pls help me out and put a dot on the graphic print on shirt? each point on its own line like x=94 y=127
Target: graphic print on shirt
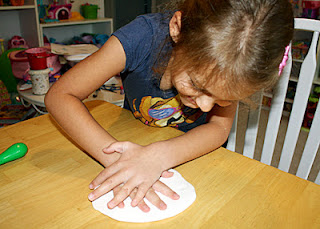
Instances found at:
x=159 y=112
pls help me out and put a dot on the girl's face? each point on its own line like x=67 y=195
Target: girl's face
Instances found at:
x=195 y=96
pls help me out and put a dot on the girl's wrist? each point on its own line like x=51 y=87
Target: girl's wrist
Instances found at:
x=110 y=159
x=107 y=159
x=163 y=154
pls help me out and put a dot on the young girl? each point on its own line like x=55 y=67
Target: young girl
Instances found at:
x=185 y=69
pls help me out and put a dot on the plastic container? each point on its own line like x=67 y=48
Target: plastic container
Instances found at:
x=89 y=11
x=38 y=58
x=19 y=63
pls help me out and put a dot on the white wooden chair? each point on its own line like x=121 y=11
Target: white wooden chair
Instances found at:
x=307 y=72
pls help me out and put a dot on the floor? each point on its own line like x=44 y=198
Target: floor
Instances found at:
x=243 y=112
x=14 y=111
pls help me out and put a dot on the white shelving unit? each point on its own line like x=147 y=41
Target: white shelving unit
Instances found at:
x=63 y=31
x=24 y=21
x=20 y=20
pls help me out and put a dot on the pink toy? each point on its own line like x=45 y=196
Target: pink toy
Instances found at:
x=17 y=42
x=311 y=4
x=60 y=12
x=19 y=63
x=310 y=8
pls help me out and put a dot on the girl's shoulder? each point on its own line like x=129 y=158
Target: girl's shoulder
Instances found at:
x=142 y=37
x=152 y=23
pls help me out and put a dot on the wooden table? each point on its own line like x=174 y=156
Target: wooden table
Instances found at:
x=48 y=188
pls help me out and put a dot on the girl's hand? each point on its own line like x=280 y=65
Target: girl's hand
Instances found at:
x=138 y=168
x=152 y=195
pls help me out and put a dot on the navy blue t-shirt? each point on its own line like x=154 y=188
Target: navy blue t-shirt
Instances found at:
x=146 y=40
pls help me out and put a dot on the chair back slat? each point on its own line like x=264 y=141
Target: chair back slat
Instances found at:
x=275 y=114
x=308 y=70
x=317 y=181
x=252 y=129
x=306 y=24
x=231 y=145
x=304 y=85
x=311 y=147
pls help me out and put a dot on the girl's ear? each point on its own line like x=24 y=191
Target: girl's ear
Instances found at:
x=175 y=26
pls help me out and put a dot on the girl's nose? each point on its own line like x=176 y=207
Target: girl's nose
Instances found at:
x=205 y=102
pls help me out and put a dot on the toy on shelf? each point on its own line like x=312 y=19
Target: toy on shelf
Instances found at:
x=311 y=4
x=300 y=49
x=89 y=11
x=297 y=9
x=291 y=91
x=42 y=10
x=55 y=11
x=5 y=3
x=11 y=2
x=88 y=38
x=17 y=2
x=310 y=8
x=59 y=11
x=76 y=16
x=311 y=108
x=17 y=42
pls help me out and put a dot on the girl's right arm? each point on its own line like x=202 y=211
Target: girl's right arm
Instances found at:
x=63 y=100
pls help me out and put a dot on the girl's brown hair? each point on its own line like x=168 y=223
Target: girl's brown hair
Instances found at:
x=240 y=41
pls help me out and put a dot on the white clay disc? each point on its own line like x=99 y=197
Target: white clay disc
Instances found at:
x=133 y=214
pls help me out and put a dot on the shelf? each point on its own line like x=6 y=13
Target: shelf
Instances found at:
x=17 y=7
x=297 y=60
x=284 y=112
x=24 y=21
x=269 y=95
x=20 y=20
x=64 y=23
x=316 y=81
x=60 y=32
x=296 y=79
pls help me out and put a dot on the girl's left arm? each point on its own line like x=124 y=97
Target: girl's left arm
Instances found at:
x=141 y=166
x=202 y=139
